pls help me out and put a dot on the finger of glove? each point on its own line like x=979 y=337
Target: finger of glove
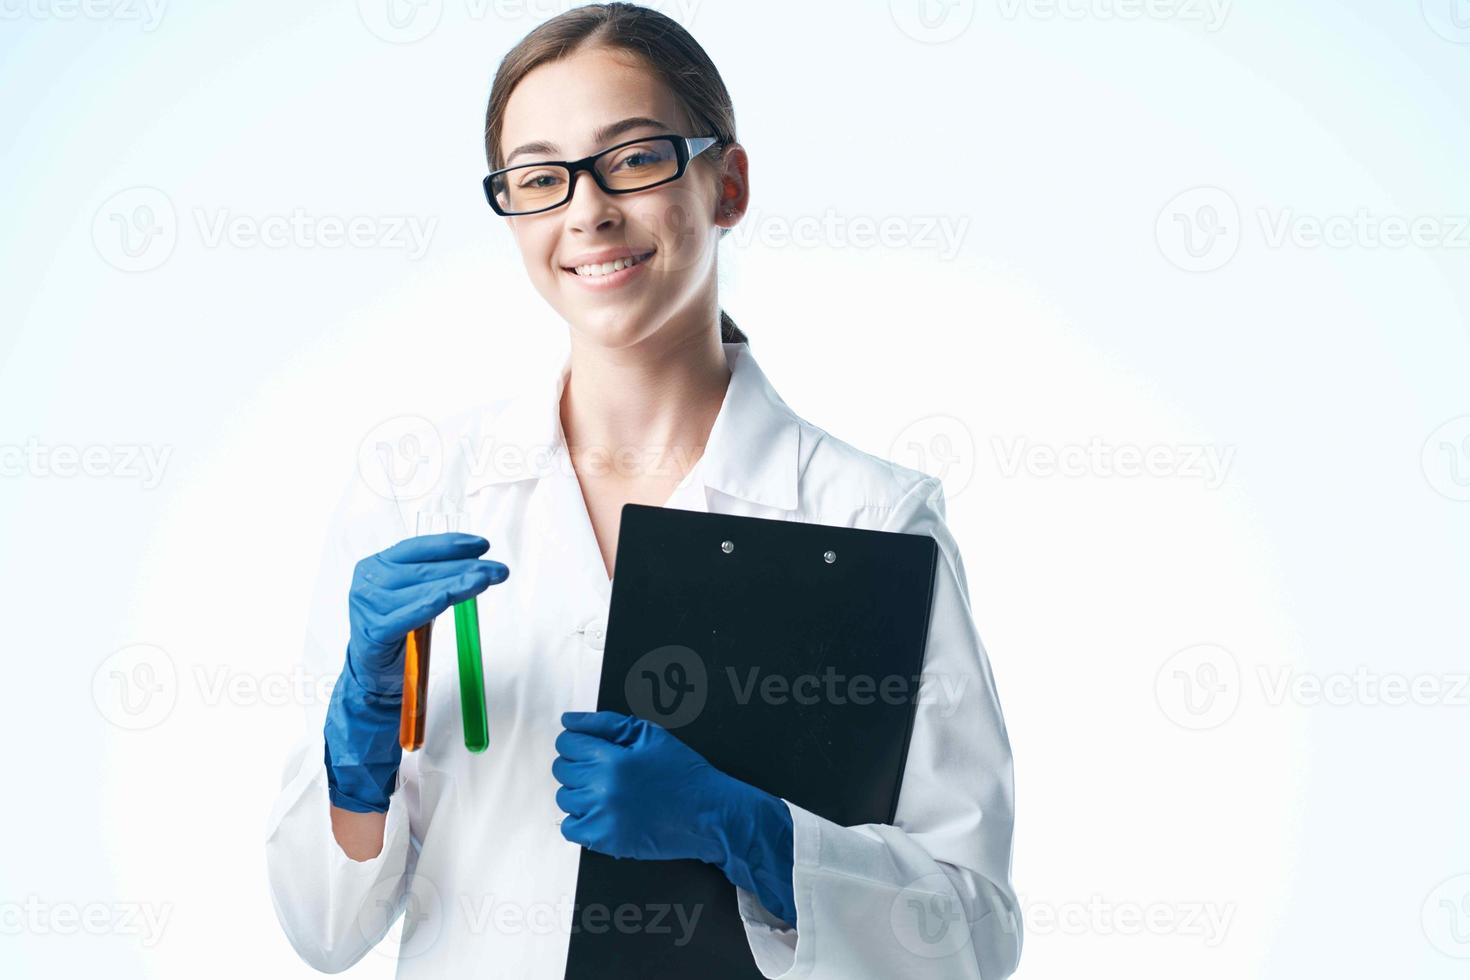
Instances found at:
x=574 y=773
x=580 y=747
x=576 y=802
x=383 y=589
x=435 y=547
x=613 y=726
x=574 y=829
x=420 y=603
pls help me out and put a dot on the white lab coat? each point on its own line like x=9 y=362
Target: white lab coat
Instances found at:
x=473 y=856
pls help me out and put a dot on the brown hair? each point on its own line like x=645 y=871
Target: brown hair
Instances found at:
x=662 y=44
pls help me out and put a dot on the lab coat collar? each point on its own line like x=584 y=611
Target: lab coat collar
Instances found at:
x=752 y=451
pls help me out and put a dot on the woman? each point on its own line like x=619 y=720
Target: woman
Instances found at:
x=481 y=851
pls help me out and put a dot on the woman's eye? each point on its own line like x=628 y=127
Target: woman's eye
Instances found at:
x=637 y=159
x=538 y=181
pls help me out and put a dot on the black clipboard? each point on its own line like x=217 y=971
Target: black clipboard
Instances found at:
x=706 y=610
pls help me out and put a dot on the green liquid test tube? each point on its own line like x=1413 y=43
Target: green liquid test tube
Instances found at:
x=471 y=675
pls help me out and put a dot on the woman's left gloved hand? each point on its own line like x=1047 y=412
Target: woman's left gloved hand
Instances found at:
x=631 y=789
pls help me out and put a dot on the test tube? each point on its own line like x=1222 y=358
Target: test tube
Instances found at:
x=415 y=687
x=471 y=675
x=412 y=716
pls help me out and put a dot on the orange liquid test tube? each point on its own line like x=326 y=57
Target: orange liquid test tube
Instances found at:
x=415 y=687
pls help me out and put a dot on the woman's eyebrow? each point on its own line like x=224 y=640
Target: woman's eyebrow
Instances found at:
x=603 y=135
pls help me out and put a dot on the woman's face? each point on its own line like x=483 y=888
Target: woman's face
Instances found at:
x=564 y=103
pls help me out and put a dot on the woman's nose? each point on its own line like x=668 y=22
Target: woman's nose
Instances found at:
x=590 y=206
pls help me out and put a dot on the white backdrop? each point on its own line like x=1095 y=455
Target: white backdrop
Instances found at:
x=1172 y=293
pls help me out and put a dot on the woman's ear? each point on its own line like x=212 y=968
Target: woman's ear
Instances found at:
x=734 y=196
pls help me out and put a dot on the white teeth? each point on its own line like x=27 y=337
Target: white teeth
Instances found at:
x=603 y=268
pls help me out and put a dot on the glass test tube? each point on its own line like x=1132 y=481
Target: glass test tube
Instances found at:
x=417 y=644
x=415 y=687
x=471 y=675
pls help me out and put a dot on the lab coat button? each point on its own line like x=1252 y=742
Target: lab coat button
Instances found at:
x=594 y=633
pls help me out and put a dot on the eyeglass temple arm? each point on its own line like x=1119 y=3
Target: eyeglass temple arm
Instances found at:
x=698 y=144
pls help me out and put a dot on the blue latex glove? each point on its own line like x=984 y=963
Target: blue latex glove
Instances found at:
x=631 y=789
x=392 y=593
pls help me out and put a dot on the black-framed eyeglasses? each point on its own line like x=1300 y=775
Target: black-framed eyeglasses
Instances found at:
x=622 y=169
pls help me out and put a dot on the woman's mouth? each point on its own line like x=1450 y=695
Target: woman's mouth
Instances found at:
x=606 y=275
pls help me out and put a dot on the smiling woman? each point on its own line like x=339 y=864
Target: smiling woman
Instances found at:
x=607 y=74
x=612 y=155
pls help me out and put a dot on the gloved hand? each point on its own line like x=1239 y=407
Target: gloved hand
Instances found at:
x=392 y=593
x=633 y=790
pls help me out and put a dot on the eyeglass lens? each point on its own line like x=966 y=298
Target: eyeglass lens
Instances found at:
x=628 y=168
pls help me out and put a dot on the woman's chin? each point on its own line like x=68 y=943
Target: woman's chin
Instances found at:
x=611 y=327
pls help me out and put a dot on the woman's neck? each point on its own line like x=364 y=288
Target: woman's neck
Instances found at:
x=645 y=411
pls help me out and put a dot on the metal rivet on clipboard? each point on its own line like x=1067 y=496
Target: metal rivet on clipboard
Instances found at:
x=727 y=546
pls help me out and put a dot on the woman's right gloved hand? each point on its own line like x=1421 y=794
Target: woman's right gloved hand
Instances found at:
x=393 y=592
